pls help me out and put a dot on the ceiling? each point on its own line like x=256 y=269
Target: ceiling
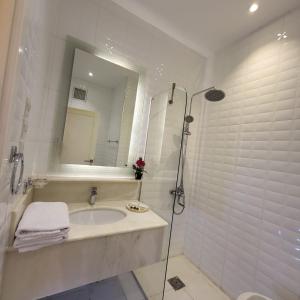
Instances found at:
x=207 y=25
x=104 y=72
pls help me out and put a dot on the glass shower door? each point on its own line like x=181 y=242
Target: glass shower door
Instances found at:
x=163 y=152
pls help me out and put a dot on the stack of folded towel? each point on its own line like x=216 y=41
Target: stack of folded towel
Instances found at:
x=42 y=224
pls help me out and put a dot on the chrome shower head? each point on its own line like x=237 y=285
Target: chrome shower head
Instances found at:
x=214 y=95
x=211 y=94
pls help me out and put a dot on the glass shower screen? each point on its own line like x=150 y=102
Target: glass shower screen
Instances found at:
x=162 y=158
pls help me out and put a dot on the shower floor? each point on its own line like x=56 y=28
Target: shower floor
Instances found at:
x=197 y=285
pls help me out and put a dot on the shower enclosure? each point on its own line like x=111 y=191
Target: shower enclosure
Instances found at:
x=164 y=151
x=163 y=187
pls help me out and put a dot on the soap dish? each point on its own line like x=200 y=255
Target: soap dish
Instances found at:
x=137 y=207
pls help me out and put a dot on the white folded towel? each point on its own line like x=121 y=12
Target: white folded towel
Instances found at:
x=42 y=235
x=44 y=216
x=39 y=246
x=42 y=224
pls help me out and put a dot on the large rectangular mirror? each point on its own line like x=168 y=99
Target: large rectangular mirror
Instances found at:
x=100 y=112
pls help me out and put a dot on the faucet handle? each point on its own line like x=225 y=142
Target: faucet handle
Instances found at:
x=94 y=189
x=28 y=183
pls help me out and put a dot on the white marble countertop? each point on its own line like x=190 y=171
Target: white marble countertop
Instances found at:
x=132 y=222
x=90 y=178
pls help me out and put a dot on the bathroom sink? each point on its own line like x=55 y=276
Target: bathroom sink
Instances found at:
x=98 y=216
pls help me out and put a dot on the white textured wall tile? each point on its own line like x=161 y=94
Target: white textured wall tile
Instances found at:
x=248 y=176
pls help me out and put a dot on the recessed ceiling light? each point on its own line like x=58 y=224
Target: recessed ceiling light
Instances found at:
x=91 y=74
x=281 y=36
x=253 y=8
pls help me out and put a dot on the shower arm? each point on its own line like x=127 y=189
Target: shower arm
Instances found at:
x=173 y=88
x=198 y=93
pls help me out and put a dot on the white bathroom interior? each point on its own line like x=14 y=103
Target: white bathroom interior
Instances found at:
x=206 y=94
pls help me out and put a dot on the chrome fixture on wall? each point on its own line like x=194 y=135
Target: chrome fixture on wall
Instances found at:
x=28 y=183
x=171 y=100
x=113 y=141
x=93 y=195
x=17 y=159
x=211 y=94
x=188 y=119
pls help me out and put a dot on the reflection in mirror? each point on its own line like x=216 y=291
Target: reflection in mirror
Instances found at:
x=100 y=112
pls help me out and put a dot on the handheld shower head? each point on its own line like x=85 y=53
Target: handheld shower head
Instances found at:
x=189 y=119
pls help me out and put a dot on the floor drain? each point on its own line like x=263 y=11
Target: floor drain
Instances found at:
x=176 y=283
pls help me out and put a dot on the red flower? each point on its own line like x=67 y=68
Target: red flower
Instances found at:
x=140 y=163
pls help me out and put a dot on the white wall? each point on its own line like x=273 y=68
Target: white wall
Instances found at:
x=28 y=46
x=244 y=217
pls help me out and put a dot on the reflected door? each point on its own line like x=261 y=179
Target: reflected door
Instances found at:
x=80 y=136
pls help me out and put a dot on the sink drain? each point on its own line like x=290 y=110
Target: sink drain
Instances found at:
x=176 y=283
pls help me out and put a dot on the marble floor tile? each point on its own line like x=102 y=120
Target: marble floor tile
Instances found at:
x=173 y=295
x=151 y=279
x=201 y=291
x=197 y=285
x=180 y=266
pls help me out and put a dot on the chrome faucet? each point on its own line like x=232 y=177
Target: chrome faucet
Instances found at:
x=28 y=183
x=93 y=195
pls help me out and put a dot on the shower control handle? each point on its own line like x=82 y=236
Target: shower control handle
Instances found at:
x=179 y=191
x=179 y=195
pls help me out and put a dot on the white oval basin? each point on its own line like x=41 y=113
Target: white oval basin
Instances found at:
x=97 y=216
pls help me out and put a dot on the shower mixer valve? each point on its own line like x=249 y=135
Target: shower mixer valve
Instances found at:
x=178 y=192
x=211 y=94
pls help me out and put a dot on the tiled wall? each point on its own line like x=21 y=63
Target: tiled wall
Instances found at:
x=21 y=127
x=244 y=219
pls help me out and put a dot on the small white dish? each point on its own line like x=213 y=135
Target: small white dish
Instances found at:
x=137 y=206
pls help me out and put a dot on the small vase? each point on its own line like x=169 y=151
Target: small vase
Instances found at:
x=138 y=176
